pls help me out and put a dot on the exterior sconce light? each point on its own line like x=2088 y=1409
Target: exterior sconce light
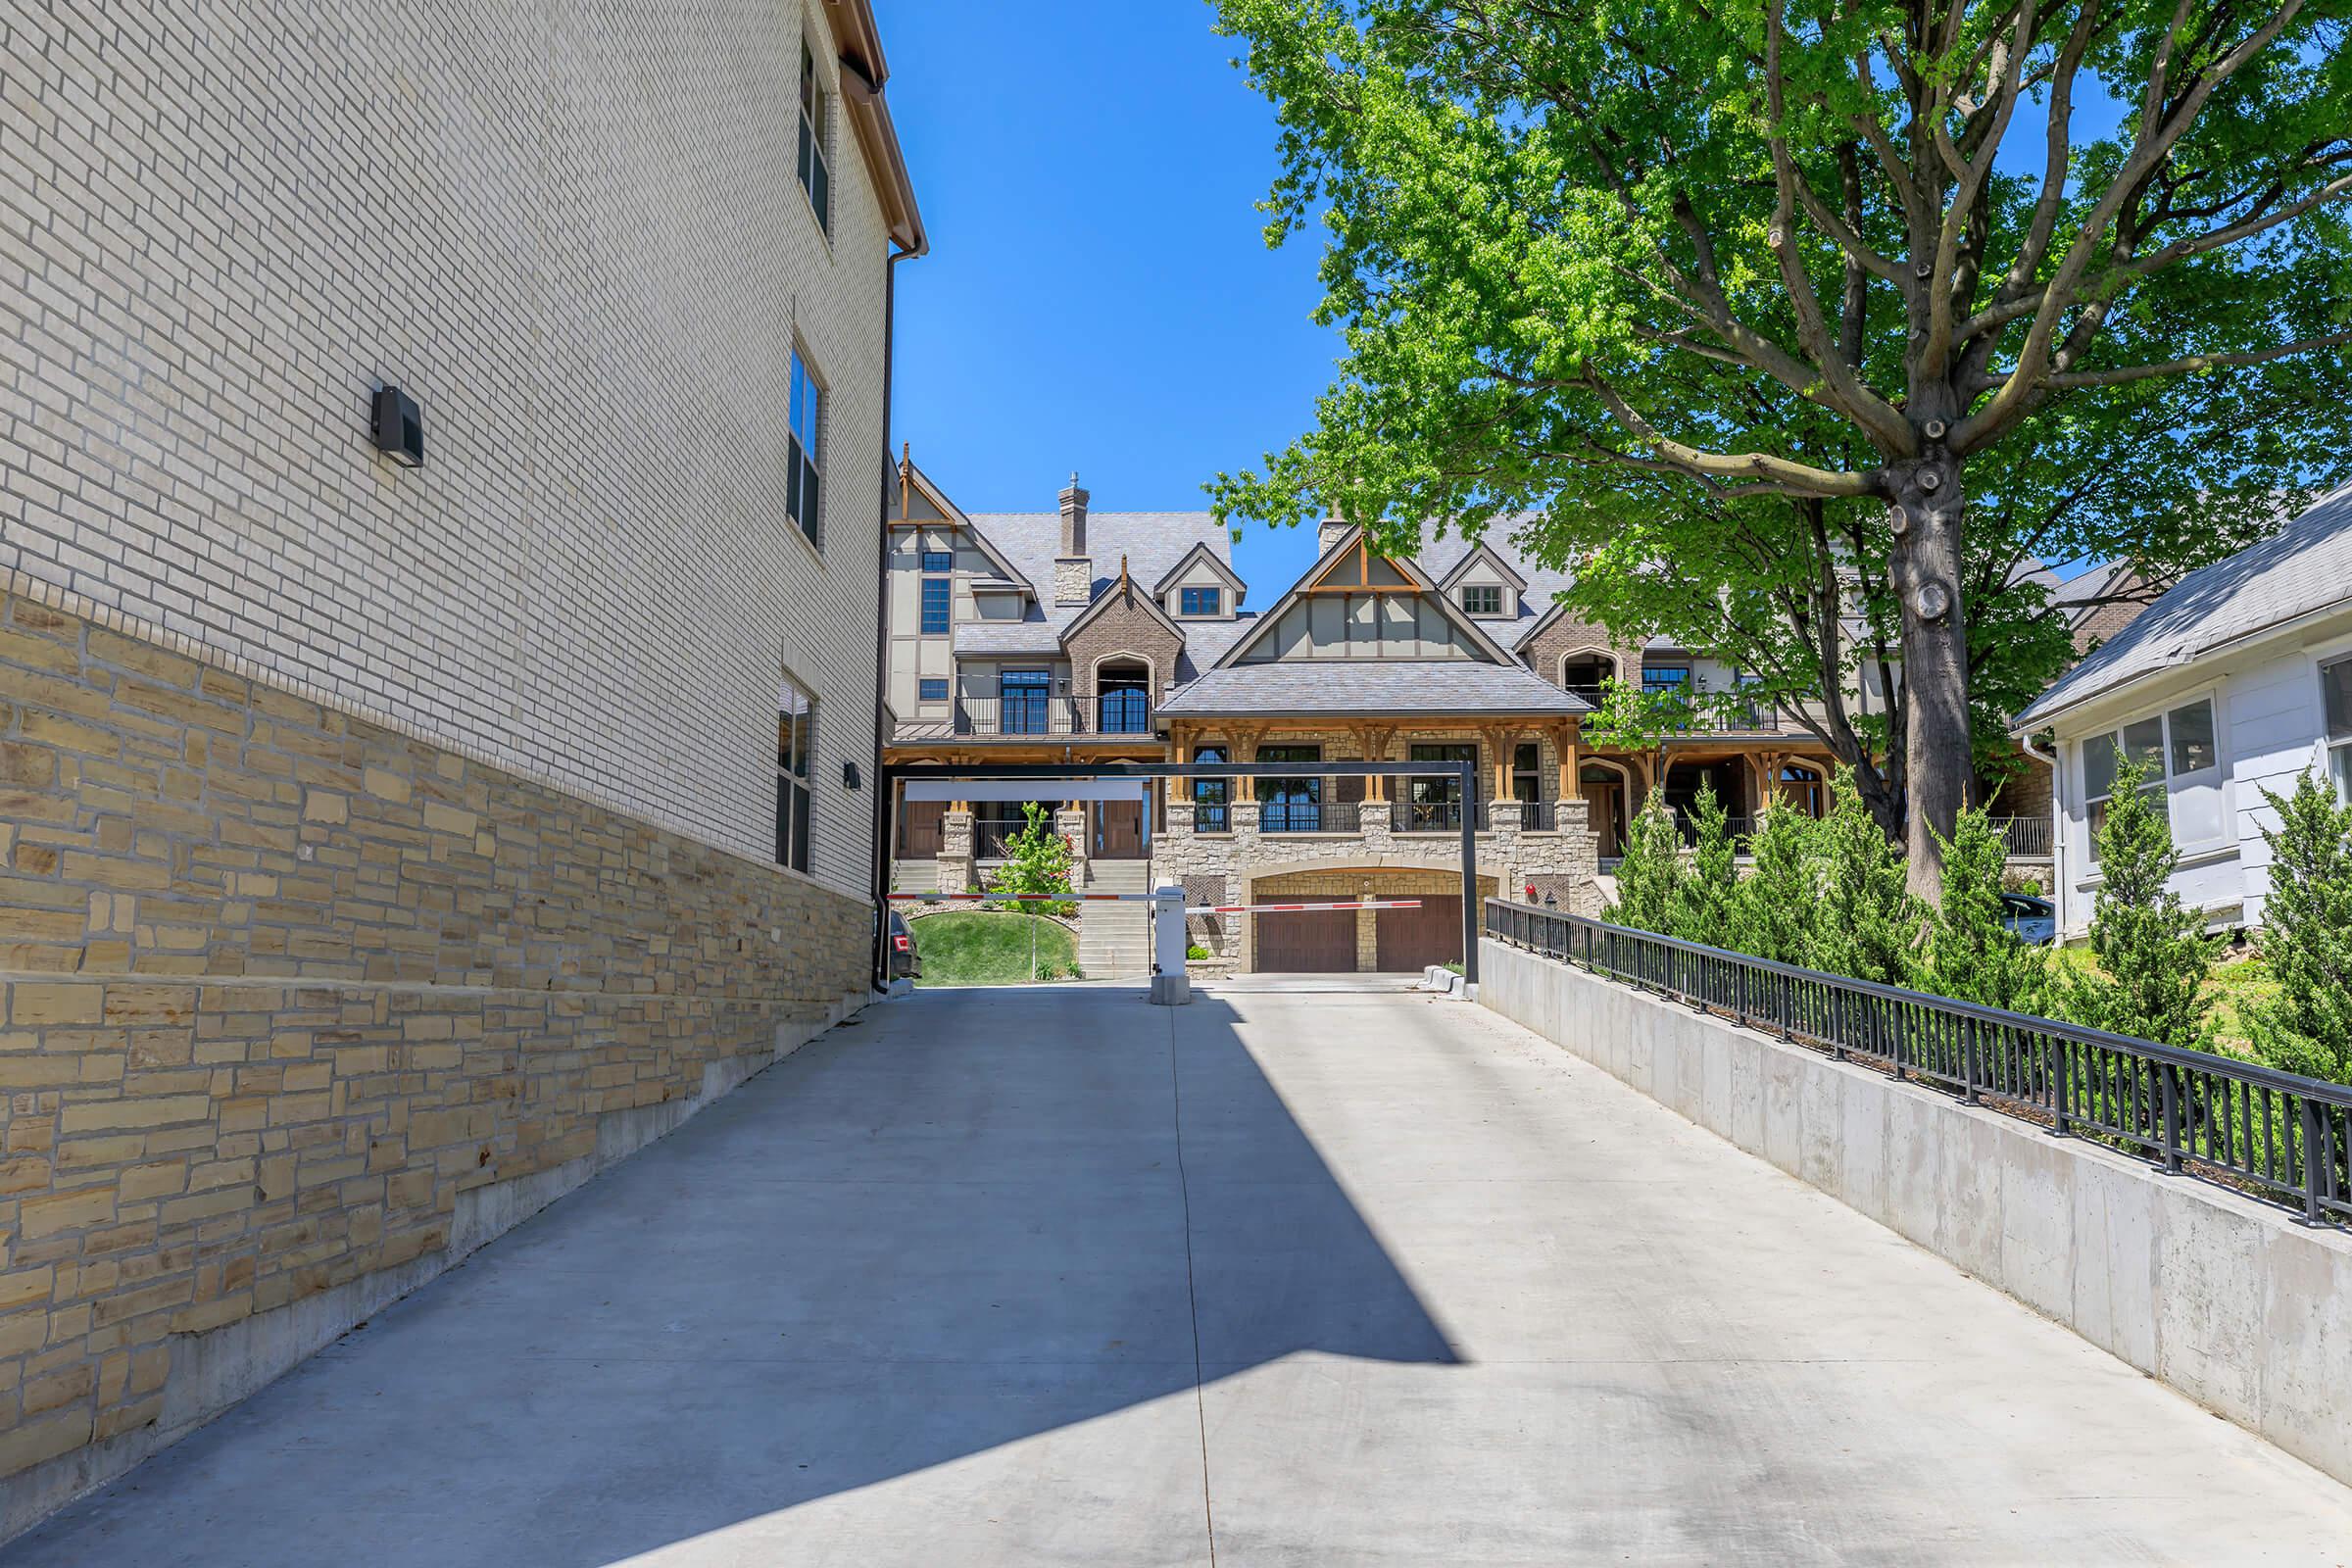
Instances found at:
x=850 y=778
x=398 y=427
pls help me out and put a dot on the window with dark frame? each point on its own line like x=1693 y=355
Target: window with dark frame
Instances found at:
x=1434 y=802
x=816 y=175
x=1025 y=697
x=2335 y=689
x=939 y=561
x=937 y=594
x=1288 y=805
x=796 y=763
x=1210 y=795
x=1199 y=600
x=1526 y=773
x=1485 y=600
x=931 y=690
x=803 y=486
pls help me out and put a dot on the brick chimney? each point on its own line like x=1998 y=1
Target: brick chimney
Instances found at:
x=1073 y=569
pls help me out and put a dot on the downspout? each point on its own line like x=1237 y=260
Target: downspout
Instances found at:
x=2058 y=883
x=884 y=786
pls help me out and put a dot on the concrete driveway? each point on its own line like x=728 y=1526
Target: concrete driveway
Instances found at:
x=1309 y=1276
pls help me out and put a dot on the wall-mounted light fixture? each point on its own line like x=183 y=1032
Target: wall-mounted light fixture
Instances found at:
x=850 y=778
x=398 y=427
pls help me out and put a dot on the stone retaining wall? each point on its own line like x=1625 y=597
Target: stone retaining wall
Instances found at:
x=299 y=1009
x=2229 y=1300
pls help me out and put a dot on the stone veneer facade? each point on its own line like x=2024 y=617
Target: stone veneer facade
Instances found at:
x=1236 y=866
x=299 y=1009
x=383 y=848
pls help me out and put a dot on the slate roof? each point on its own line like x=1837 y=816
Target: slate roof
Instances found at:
x=2304 y=569
x=1370 y=688
x=1439 y=558
x=1152 y=542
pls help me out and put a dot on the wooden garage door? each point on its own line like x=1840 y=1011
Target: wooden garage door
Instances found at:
x=1415 y=939
x=1306 y=942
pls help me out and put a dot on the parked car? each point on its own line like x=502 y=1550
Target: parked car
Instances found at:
x=904 y=962
x=2034 y=918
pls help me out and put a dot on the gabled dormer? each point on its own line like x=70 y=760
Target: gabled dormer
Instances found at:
x=1485 y=586
x=1356 y=604
x=1200 y=587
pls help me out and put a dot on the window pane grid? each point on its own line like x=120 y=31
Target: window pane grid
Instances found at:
x=796 y=760
x=935 y=606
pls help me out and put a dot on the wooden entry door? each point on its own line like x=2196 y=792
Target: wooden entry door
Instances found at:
x=1119 y=830
x=1302 y=942
x=1415 y=939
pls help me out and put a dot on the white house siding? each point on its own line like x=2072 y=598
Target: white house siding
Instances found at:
x=2267 y=722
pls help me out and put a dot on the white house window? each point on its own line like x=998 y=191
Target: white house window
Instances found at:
x=796 y=753
x=2335 y=701
x=1199 y=601
x=1484 y=599
x=815 y=178
x=2179 y=758
x=803 y=486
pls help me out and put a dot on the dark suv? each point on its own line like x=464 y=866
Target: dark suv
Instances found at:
x=904 y=962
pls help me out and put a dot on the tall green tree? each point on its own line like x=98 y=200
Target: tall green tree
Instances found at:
x=1693 y=275
x=2153 y=954
x=1778 y=902
x=2307 y=936
x=1649 y=876
x=1870 y=924
x=1972 y=953
x=1706 y=900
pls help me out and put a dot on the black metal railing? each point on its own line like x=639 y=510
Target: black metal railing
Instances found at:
x=1536 y=817
x=1309 y=817
x=1740 y=719
x=1437 y=817
x=2028 y=837
x=1120 y=712
x=2284 y=1137
x=1738 y=829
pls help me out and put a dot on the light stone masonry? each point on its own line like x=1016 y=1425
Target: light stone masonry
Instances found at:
x=294 y=1010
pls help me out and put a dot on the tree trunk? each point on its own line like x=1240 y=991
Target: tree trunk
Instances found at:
x=1925 y=515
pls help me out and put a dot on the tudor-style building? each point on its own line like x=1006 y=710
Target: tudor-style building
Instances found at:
x=1076 y=635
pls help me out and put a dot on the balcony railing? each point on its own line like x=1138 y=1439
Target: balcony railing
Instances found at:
x=1309 y=817
x=2028 y=837
x=1744 y=719
x=1119 y=713
x=1438 y=816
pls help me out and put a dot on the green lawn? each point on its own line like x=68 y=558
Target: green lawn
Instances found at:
x=985 y=948
x=2236 y=982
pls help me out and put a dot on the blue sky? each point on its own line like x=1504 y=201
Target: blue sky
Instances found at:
x=1100 y=295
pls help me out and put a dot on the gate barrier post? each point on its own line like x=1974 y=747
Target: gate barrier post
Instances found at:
x=1171 y=986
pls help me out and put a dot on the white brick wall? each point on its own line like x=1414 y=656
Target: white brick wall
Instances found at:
x=573 y=232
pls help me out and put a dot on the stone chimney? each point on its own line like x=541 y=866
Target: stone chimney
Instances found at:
x=1329 y=531
x=1073 y=569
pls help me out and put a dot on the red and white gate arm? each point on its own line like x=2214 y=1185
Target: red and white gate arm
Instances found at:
x=1148 y=898
x=1289 y=909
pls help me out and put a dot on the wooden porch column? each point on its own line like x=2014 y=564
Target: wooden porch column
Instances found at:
x=1181 y=745
x=1572 y=784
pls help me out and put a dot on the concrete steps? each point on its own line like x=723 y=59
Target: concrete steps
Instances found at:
x=1115 y=940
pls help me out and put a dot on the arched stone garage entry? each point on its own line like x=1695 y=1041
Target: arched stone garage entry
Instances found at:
x=1316 y=942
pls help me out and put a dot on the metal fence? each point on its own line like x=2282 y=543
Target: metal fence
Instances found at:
x=2028 y=837
x=1309 y=817
x=2276 y=1134
x=1438 y=816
